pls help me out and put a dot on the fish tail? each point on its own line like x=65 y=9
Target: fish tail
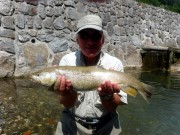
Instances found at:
x=147 y=93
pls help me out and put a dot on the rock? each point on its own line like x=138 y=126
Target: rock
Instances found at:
x=38 y=54
x=58 y=45
x=7 y=64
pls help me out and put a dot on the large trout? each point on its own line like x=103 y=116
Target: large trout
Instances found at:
x=89 y=78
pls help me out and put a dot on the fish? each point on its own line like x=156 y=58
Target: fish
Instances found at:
x=90 y=78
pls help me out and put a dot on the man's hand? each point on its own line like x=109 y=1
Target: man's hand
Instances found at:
x=108 y=88
x=65 y=88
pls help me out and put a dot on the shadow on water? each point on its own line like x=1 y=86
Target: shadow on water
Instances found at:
x=27 y=108
x=161 y=115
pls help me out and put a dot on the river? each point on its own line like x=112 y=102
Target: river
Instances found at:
x=27 y=108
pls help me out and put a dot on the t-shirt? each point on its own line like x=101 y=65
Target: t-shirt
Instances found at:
x=88 y=104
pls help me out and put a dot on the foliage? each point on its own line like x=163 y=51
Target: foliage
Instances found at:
x=172 y=5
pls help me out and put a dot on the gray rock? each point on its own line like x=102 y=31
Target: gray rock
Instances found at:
x=29 y=21
x=136 y=41
x=23 y=36
x=45 y=36
x=6 y=7
x=58 y=11
x=58 y=45
x=7 y=45
x=71 y=13
x=110 y=29
x=49 y=11
x=59 y=23
x=7 y=64
x=20 y=21
x=48 y=23
x=7 y=33
x=42 y=11
x=8 y=22
x=38 y=22
x=37 y=54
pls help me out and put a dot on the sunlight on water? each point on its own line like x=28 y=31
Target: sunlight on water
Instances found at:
x=26 y=107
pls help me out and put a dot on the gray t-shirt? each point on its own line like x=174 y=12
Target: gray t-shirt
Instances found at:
x=88 y=104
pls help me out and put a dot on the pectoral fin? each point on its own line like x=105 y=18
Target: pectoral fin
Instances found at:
x=130 y=91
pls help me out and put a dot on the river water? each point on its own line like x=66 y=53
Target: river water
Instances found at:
x=27 y=108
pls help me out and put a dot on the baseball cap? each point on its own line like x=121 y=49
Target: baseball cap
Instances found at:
x=89 y=21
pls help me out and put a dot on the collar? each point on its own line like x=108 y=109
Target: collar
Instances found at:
x=83 y=63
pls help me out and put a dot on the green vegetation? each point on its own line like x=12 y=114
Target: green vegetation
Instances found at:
x=172 y=5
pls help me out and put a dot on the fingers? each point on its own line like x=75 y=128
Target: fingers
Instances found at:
x=63 y=86
x=108 y=88
x=57 y=83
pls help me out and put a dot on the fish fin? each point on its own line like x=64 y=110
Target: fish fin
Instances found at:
x=147 y=93
x=130 y=91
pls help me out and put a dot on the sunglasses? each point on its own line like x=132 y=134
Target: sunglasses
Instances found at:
x=94 y=36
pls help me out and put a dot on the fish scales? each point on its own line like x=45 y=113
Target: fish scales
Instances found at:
x=89 y=78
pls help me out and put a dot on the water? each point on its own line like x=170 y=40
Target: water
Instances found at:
x=27 y=108
x=161 y=116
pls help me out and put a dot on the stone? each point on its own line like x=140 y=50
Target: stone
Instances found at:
x=20 y=21
x=41 y=11
x=133 y=58
x=58 y=11
x=45 y=36
x=80 y=7
x=7 y=64
x=105 y=18
x=48 y=22
x=136 y=41
x=23 y=36
x=7 y=45
x=117 y=30
x=110 y=29
x=8 y=22
x=6 y=7
x=71 y=13
x=7 y=33
x=59 y=23
x=29 y=21
x=23 y=8
x=37 y=54
x=38 y=22
x=58 y=45
x=69 y=3
x=49 y=11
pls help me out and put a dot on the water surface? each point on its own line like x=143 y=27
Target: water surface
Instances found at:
x=27 y=108
x=161 y=116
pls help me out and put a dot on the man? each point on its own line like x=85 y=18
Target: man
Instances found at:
x=92 y=112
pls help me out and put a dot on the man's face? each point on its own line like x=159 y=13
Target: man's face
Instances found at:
x=90 y=42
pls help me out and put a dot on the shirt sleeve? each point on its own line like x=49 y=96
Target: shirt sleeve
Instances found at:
x=123 y=96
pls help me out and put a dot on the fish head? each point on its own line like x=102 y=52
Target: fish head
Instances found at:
x=44 y=78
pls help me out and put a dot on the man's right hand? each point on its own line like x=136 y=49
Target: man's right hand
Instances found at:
x=64 y=87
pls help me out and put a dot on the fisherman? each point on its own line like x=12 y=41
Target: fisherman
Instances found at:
x=90 y=112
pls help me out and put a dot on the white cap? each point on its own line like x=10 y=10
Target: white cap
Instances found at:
x=89 y=21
